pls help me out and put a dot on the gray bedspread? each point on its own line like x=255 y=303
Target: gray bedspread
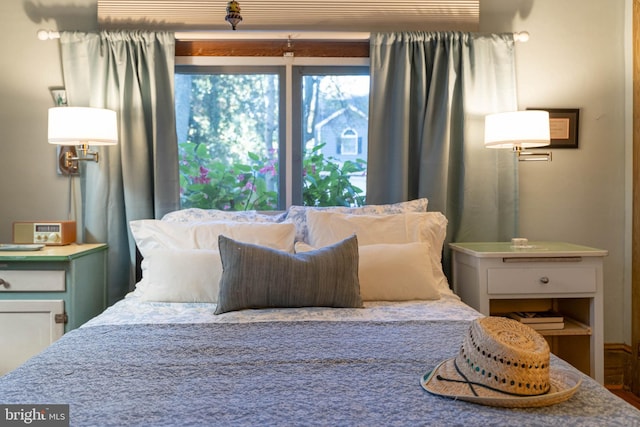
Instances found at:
x=281 y=373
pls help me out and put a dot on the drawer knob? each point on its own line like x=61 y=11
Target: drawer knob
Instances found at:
x=544 y=280
x=4 y=283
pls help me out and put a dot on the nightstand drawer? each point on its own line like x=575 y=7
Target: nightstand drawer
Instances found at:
x=32 y=280
x=541 y=280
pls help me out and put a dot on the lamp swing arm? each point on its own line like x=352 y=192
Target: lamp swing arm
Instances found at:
x=525 y=155
x=86 y=154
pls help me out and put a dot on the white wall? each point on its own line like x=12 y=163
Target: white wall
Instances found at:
x=575 y=59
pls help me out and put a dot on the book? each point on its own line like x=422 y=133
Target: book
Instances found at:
x=532 y=317
x=546 y=326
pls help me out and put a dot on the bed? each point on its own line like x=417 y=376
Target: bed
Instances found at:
x=191 y=361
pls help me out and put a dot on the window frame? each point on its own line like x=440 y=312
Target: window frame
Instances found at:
x=290 y=118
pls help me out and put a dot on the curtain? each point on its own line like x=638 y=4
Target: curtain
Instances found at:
x=133 y=74
x=429 y=95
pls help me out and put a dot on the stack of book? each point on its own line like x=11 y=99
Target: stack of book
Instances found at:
x=539 y=320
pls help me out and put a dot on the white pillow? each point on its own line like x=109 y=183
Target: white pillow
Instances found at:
x=201 y=215
x=181 y=275
x=298 y=214
x=150 y=235
x=328 y=227
x=393 y=272
x=396 y=272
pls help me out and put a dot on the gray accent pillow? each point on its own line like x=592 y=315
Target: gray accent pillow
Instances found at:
x=259 y=277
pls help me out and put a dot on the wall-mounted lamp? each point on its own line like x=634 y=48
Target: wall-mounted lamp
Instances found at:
x=80 y=127
x=519 y=130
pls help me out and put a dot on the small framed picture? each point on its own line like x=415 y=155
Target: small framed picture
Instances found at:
x=563 y=124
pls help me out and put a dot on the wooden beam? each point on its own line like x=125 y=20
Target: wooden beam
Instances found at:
x=302 y=48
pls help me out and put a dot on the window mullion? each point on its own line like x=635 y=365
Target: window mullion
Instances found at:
x=291 y=169
x=295 y=125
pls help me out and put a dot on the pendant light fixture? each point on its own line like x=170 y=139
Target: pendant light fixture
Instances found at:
x=233 y=14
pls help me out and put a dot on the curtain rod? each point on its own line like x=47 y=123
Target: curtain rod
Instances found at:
x=519 y=36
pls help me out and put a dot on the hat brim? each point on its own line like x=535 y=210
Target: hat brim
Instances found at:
x=564 y=384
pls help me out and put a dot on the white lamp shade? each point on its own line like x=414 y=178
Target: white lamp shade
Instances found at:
x=82 y=125
x=523 y=129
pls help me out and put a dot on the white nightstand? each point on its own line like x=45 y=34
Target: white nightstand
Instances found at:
x=496 y=278
x=46 y=293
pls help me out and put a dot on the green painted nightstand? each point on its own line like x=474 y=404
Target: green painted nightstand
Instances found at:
x=46 y=293
x=495 y=278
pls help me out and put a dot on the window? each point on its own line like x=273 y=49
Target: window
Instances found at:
x=348 y=143
x=228 y=123
x=249 y=140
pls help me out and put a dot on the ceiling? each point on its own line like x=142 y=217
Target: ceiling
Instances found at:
x=292 y=15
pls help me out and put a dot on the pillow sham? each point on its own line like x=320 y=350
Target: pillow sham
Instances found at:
x=393 y=272
x=298 y=214
x=326 y=228
x=254 y=276
x=181 y=275
x=431 y=227
x=151 y=233
x=201 y=215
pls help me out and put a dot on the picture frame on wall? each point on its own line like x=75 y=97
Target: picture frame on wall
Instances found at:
x=563 y=125
x=59 y=95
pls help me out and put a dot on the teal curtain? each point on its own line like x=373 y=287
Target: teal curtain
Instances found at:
x=429 y=95
x=133 y=74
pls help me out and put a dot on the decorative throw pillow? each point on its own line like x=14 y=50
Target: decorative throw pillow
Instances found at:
x=181 y=275
x=258 y=277
x=393 y=272
x=298 y=214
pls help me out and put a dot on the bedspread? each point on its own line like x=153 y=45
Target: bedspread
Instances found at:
x=273 y=373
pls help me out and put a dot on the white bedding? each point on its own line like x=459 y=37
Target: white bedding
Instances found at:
x=199 y=230
x=132 y=310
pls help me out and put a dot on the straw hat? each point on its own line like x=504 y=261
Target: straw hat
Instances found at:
x=502 y=362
